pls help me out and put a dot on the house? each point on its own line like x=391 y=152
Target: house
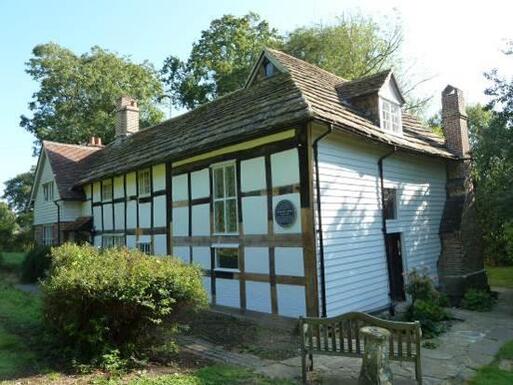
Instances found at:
x=300 y=194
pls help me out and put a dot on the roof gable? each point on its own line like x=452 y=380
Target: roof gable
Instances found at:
x=64 y=160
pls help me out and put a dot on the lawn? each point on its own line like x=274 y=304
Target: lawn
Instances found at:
x=12 y=261
x=500 y=276
x=23 y=352
x=492 y=374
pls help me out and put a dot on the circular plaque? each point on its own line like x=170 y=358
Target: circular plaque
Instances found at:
x=285 y=213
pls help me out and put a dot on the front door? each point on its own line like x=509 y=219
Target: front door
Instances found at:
x=395 y=267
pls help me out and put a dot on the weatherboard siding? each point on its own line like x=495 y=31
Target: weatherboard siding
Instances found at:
x=355 y=260
x=45 y=211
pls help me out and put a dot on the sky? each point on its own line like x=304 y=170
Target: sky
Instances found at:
x=451 y=42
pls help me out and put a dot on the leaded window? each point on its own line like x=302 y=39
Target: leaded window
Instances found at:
x=144 y=182
x=225 y=199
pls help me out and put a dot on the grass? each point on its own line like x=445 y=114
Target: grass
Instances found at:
x=12 y=261
x=19 y=326
x=211 y=375
x=500 y=276
x=492 y=374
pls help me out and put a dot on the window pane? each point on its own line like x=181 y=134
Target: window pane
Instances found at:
x=390 y=198
x=231 y=215
x=219 y=217
x=230 y=181
x=218 y=183
x=228 y=258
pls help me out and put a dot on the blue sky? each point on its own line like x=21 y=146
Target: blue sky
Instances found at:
x=452 y=41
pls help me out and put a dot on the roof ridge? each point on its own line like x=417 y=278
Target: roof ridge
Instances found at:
x=273 y=50
x=81 y=146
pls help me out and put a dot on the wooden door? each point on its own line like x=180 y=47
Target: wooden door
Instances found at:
x=395 y=267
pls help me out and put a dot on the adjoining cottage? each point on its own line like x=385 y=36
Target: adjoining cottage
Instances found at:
x=300 y=194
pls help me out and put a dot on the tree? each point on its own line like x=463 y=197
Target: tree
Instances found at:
x=353 y=47
x=220 y=61
x=8 y=226
x=17 y=190
x=492 y=145
x=77 y=94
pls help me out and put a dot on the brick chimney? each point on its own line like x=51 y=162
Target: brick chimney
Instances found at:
x=454 y=121
x=128 y=117
x=461 y=263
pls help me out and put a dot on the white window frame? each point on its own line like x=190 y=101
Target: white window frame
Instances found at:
x=114 y=240
x=218 y=247
x=47 y=235
x=225 y=198
x=109 y=190
x=387 y=121
x=144 y=182
x=48 y=191
x=145 y=246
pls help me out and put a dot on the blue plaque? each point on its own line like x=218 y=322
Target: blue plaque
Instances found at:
x=285 y=213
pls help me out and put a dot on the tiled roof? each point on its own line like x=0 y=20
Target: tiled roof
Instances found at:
x=65 y=161
x=240 y=114
x=320 y=90
x=363 y=86
x=302 y=93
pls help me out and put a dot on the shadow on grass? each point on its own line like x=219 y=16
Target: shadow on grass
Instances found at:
x=22 y=350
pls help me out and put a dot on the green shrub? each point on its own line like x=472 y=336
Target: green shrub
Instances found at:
x=427 y=305
x=478 y=300
x=116 y=302
x=36 y=264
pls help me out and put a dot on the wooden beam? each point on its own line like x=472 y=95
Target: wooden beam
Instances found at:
x=308 y=220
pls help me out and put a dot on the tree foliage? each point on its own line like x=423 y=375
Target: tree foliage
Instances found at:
x=8 y=226
x=491 y=130
x=17 y=190
x=77 y=94
x=220 y=60
x=353 y=47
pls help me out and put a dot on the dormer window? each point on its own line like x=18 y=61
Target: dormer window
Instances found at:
x=269 y=69
x=391 y=116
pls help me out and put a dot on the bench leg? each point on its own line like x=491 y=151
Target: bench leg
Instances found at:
x=303 y=367
x=418 y=372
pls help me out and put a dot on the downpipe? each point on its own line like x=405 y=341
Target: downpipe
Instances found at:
x=319 y=220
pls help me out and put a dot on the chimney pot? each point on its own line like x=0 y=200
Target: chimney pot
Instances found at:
x=99 y=141
x=454 y=121
x=127 y=116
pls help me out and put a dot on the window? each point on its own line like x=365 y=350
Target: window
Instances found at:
x=113 y=241
x=144 y=181
x=227 y=258
x=48 y=191
x=225 y=199
x=145 y=247
x=390 y=116
x=390 y=202
x=268 y=69
x=48 y=235
x=107 y=190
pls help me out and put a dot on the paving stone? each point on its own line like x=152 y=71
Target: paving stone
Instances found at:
x=506 y=365
x=279 y=371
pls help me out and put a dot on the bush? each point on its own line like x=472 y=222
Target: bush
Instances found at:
x=478 y=300
x=36 y=264
x=116 y=302
x=427 y=305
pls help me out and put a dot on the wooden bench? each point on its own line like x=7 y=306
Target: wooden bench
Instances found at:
x=339 y=336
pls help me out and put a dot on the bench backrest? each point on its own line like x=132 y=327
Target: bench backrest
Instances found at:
x=340 y=335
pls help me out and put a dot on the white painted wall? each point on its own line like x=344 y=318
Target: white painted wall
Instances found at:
x=45 y=211
x=355 y=261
